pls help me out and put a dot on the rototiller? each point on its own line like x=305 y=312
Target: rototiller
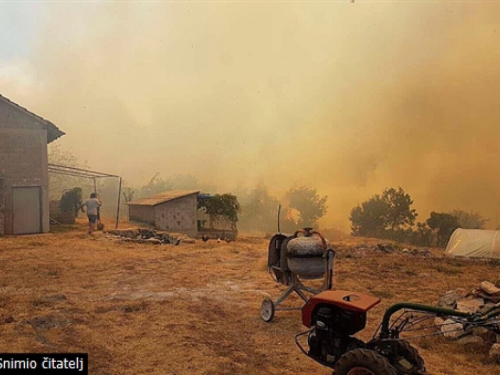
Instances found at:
x=334 y=316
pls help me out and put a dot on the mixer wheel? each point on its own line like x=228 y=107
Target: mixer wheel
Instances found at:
x=363 y=362
x=267 y=310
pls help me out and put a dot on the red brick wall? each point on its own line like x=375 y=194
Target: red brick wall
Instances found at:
x=23 y=159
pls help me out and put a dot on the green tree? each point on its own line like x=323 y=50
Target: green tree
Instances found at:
x=423 y=235
x=61 y=156
x=308 y=203
x=383 y=215
x=108 y=190
x=154 y=186
x=369 y=219
x=222 y=209
x=71 y=201
x=183 y=182
x=188 y=182
x=443 y=224
x=260 y=209
x=58 y=183
x=469 y=220
x=399 y=213
x=128 y=194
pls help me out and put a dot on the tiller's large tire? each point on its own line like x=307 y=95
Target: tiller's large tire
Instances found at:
x=363 y=362
x=407 y=360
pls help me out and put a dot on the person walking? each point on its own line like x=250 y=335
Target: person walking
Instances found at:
x=92 y=204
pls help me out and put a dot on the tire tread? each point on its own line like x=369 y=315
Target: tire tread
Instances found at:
x=370 y=359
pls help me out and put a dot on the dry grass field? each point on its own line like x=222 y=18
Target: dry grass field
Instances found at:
x=194 y=308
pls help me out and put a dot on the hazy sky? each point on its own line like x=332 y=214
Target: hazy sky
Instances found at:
x=347 y=97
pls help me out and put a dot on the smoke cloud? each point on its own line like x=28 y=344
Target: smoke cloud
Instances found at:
x=350 y=98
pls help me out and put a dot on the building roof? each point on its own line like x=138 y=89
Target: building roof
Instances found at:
x=160 y=198
x=53 y=131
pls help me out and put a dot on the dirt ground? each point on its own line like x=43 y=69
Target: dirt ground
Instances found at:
x=194 y=308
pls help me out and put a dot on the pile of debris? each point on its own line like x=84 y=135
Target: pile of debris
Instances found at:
x=481 y=299
x=362 y=250
x=389 y=249
x=152 y=236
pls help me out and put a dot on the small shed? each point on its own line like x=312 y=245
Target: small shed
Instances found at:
x=172 y=211
x=24 y=196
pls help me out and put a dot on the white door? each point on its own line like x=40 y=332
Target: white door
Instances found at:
x=27 y=210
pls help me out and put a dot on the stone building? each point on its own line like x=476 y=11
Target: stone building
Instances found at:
x=24 y=196
x=172 y=211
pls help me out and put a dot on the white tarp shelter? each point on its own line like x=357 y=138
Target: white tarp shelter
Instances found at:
x=474 y=243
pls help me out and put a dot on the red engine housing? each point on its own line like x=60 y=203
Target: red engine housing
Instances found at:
x=344 y=300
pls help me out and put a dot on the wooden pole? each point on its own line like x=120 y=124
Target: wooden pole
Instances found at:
x=119 y=201
x=279 y=213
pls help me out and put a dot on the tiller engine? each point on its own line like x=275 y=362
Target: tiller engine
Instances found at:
x=334 y=316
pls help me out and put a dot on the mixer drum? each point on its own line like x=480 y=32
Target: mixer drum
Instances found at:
x=305 y=257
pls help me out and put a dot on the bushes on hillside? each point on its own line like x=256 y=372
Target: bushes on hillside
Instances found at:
x=390 y=216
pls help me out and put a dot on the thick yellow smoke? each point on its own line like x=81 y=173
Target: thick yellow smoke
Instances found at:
x=349 y=98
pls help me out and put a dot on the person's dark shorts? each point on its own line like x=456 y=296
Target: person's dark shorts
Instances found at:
x=92 y=218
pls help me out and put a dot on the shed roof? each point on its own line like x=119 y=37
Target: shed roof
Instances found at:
x=53 y=131
x=160 y=198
